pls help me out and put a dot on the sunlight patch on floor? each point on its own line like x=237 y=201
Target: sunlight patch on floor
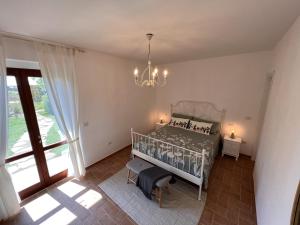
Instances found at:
x=89 y=198
x=41 y=206
x=71 y=189
x=62 y=217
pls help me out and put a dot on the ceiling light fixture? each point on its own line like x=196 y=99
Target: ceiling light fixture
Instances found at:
x=154 y=78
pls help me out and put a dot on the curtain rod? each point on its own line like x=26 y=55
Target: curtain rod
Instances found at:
x=29 y=38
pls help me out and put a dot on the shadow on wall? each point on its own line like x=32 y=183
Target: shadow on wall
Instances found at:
x=295 y=219
x=263 y=108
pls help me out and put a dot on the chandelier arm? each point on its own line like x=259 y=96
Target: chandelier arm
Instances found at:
x=158 y=81
x=144 y=83
x=161 y=81
x=143 y=74
x=140 y=78
x=140 y=81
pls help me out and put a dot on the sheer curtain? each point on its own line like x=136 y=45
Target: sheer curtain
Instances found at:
x=9 y=204
x=58 y=71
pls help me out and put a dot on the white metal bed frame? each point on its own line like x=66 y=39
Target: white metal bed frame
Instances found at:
x=177 y=154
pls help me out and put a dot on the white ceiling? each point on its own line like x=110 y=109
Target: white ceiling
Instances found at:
x=184 y=29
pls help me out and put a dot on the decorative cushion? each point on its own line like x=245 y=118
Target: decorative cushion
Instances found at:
x=216 y=126
x=179 y=122
x=200 y=127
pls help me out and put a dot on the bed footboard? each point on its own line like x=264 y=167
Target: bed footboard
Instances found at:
x=181 y=161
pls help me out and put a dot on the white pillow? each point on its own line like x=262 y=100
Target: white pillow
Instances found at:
x=178 y=122
x=200 y=127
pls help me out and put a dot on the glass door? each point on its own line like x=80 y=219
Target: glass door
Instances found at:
x=20 y=160
x=50 y=137
x=37 y=149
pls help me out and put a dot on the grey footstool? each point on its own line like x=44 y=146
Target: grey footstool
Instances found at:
x=135 y=166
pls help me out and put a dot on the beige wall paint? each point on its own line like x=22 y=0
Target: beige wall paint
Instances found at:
x=277 y=169
x=109 y=103
x=234 y=83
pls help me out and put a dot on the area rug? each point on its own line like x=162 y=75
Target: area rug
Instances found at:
x=179 y=206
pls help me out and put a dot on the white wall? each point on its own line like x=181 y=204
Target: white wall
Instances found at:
x=234 y=83
x=277 y=169
x=109 y=103
x=19 y=49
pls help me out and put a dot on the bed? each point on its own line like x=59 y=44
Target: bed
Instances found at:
x=183 y=152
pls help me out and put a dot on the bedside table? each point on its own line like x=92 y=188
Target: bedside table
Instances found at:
x=232 y=146
x=159 y=125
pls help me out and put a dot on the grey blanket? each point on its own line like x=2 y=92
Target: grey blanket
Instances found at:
x=147 y=179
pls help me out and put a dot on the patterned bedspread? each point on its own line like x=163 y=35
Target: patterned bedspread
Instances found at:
x=183 y=160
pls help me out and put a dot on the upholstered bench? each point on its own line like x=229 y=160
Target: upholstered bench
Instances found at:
x=137 y=165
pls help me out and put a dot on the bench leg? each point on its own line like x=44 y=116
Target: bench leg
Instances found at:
x=160 y=196
x=128 y=175
x=200 y=190
x=167 y=189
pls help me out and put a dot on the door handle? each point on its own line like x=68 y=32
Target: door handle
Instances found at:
x=40 y=139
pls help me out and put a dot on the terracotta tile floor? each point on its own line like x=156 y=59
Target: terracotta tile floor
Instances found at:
x=230 y=198
x=230 y=194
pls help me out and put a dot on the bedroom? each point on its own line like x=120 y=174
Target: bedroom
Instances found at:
x=234 y=63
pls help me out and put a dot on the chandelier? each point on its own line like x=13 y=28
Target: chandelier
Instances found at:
x=150 y=76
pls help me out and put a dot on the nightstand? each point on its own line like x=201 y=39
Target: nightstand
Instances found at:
x=232 y=146
x=159 y=125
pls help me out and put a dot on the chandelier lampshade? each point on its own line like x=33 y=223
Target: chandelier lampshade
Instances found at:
x=150 y=76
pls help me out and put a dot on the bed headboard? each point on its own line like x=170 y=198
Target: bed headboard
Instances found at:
x=204 y=110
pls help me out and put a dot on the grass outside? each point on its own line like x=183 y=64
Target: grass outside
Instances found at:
x=54 y=137
x=17 y=127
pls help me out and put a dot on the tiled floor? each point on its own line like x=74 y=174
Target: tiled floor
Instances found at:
x=230 y=198
x=230 y=195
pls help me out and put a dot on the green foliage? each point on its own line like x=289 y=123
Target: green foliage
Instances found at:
x=46 y=104
x=39 y=106
x=37 y=93
x=13 y=95
x=15 y=109
x=54 y=137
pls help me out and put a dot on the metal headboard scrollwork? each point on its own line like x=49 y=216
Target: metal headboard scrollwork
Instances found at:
x=199 y=109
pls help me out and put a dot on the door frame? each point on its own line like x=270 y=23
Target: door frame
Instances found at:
x=38 y=150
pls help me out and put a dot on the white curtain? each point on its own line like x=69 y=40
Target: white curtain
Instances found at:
x=58 y=71
x=9 y=204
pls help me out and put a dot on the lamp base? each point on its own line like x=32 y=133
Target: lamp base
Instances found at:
x=232 y=136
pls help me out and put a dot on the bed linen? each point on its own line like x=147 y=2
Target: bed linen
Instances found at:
x=181 y=159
